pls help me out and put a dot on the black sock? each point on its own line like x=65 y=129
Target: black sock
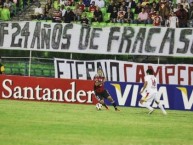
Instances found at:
x=114 y=105
x=105 y=105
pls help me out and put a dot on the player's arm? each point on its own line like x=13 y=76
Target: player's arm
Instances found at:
x=142 y=90
x=144 y=87
x=103 y=79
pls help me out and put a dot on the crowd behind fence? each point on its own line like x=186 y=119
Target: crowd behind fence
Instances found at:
x=167 y=13
x=176 y=13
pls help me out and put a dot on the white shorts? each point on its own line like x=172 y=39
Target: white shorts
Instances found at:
x=149 y=97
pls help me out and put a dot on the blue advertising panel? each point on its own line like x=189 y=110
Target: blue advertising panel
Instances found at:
x=171 y=96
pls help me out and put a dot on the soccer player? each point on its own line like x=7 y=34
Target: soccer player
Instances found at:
x=149 y=92
x=2 y=68
x=100 y=92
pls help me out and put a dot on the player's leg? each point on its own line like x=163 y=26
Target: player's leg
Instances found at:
x=113 y=103
x=103 y=103
x=159 y=104
x=146 y=104
x=100 y=98
x=107 y=96
x=145 y=101
x=161 y=107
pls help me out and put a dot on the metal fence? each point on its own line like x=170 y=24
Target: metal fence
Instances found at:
x=41 y=67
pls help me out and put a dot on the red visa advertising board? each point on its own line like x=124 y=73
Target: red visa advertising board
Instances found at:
x=47 y=89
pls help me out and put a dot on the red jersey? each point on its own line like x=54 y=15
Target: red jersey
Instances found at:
x=100 y=88
x=92 y=8
x=82 y=7
x=157 y=21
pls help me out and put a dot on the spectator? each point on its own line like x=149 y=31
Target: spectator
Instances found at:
x=147 y=8
x=129 y=16
x=191 y=15
x=86 y=3
x=49 y=4
x=138 y=8
x=63 y=2
x=142 y=17
x=173 y=21
x=113 y=16
x=68 y=16
x=164 y=11
x=155 y=6
x=57 y=15
x=69 y=3
x=131 y=4
x=97 y=16
x=121 y=15
x=38 y=12
x=123 y=5
x=77 y=12
x=99 y=3
x=157 y=19
x=8 y=4
x=185 y=4
x=144 y=3
x=81 y=5
x=84 y=20
x=92 y=7
x=63 y=10
x=151 y=16
x=182 y=17
x=175 y=8
x=178 y=1
x=110 y=7
x=46 y=13
x=50 y=13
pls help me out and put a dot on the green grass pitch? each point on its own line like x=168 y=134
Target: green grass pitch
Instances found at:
x=43 y=123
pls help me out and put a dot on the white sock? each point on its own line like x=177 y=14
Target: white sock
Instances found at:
x=162 y=108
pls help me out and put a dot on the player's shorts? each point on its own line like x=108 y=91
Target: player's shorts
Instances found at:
x=103 y=95
x=149 y=97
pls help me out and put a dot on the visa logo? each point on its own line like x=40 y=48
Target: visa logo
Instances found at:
x=133 y=90
x=187 y=102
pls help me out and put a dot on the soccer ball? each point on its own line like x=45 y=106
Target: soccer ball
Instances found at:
x=99 y=106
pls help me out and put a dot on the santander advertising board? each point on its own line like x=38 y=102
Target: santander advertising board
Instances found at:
x=47 y=89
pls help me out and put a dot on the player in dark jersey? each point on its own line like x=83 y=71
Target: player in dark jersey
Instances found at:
x=2 y=69
x=101 y=93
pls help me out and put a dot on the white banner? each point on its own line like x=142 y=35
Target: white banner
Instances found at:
x=60 y=37
x=123 y=71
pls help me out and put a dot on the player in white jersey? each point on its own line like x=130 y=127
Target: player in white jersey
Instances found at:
x=149 y=92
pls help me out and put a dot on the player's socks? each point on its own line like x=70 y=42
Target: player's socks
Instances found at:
x=116 y=109
x=115 y=106
x=151 y=111
x=105 y=106
x=162 y=108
